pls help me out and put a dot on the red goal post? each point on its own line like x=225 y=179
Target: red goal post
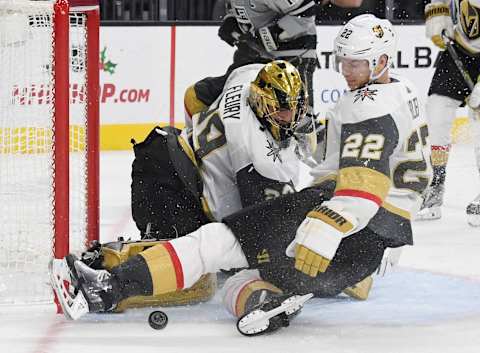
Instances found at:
x=63 y=10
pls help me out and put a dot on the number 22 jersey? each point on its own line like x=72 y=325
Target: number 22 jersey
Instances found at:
x=377 y=158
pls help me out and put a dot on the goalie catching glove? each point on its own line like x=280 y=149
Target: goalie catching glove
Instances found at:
x=438 y=21
x=318 y=239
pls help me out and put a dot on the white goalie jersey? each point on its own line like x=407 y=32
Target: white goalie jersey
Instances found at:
x=378 y=153
x=236 y=156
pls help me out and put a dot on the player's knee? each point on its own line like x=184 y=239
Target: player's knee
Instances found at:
x=193 y=104
x=209 y=249
x=219 y=248
x=233 y=286
x=242 y=288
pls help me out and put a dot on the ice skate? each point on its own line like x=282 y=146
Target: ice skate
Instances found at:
x=431 y=207
x=79 y=289
x=273 y=312
x=473 y=212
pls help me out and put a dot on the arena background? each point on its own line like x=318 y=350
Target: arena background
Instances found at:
x=145 y=70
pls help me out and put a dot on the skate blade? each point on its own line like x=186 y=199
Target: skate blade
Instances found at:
x=473 y=220
x=258 y=321
x=428 y=214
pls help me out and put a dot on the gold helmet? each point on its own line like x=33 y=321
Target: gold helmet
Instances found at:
x=278 y=87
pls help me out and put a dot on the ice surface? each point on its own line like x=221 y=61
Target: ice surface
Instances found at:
x=430 y=304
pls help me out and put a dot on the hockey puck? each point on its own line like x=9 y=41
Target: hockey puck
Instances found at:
x=158 y=320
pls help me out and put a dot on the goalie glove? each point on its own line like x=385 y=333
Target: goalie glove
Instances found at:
x=474 y=98
x=438 y=21
x=229 y=30
x=318 y=238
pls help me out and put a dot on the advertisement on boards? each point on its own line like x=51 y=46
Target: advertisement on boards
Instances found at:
x=145 y=70
x=134 y=74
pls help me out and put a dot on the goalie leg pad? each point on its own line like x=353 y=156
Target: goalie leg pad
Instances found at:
x=73 y=305
x=203 y=290
x=139 y=288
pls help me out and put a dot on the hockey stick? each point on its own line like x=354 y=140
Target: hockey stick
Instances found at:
x=472 y=208
x=458 y=63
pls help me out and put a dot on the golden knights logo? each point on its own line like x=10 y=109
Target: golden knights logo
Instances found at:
x=364 y=93
x=469 y=18
x=273 y=151
x=378 y=30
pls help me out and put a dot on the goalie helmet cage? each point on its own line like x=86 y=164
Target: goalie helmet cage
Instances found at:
x=49 y=140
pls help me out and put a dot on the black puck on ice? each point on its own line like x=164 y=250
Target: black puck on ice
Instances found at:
x=158 y=320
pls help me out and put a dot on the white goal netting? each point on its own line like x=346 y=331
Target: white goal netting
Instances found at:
x=27 y=131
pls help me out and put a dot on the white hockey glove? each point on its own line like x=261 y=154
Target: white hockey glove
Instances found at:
x=286 y=29
x=318 y=238
x=437 y=20
x=292 y=27
x=474 y=98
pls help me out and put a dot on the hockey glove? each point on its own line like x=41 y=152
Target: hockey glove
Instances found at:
x=318 y=238
x=269 y=36
x=438 y=20
x=229 y=31
x=286 y=29
x=474 y=98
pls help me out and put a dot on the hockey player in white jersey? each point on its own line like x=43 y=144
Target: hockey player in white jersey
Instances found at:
x=319 y=241
x=244 y=149
x=458 y=20
x=246 y=144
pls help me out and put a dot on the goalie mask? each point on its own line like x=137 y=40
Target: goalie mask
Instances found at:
x=279 y=99
x=366 y=37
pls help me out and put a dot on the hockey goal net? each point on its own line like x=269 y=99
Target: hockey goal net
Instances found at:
x=49 y=129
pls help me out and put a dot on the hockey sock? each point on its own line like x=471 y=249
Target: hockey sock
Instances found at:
x=439 y=162
x=252 y=295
